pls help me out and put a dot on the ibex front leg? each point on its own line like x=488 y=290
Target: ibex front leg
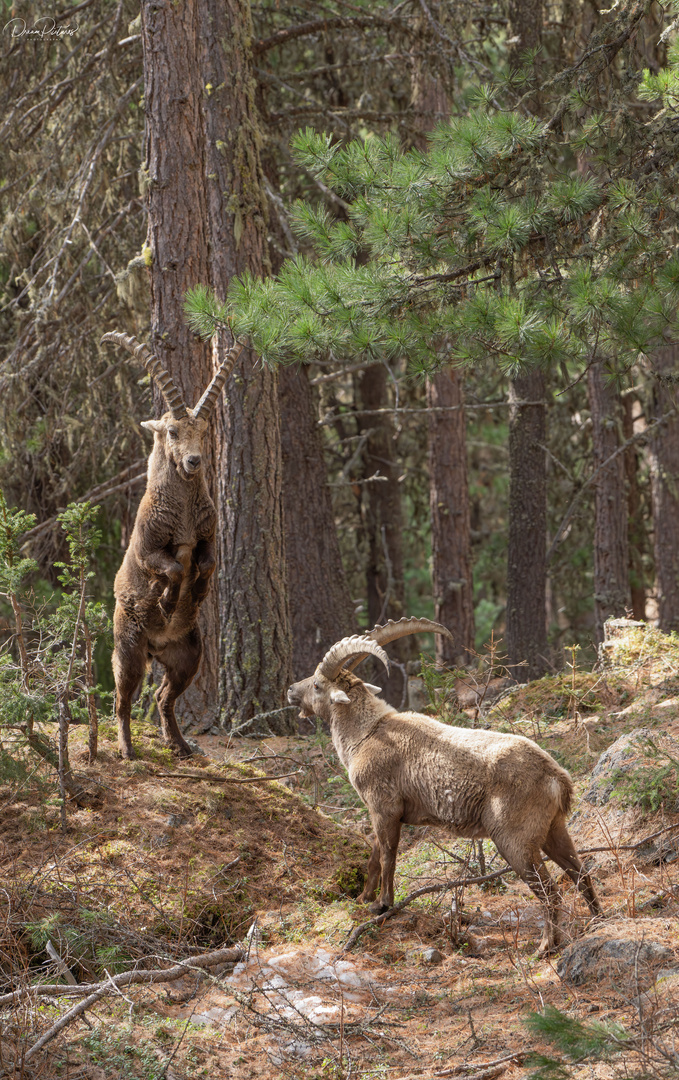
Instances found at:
x=205 y=562
x=170 y=570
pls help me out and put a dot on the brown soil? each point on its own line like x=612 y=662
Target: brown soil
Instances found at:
x=165 y=867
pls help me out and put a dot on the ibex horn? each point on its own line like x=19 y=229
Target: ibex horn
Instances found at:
x=205 y=406
x=331 y=664
x=393 y=630
x=158 y=373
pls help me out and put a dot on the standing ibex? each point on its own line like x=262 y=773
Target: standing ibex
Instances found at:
x=167 y=567
x=410 y=769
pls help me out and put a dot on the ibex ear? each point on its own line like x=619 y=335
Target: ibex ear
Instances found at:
x=373 y=689
x=338 y=697
x=153 y=425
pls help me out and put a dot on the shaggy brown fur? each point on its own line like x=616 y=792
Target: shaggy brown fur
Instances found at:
x=167 y=568
x=410 y=769
x=164 y=576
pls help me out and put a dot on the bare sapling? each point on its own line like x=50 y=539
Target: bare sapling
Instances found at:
x=166 y=571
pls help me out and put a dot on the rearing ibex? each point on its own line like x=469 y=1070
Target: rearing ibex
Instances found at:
x=410 y=769
x=167 y=567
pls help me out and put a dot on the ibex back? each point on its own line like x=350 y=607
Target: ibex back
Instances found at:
x=167 y=567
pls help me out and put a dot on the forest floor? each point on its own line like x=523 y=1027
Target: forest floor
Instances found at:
x=167 y=866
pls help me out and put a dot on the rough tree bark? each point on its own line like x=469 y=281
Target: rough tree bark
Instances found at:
x=177 y=240
x=665 y=488
x=450 y=518
x=321 y=610
x=636 y=527
x=611 y=553
x=255 y=629
x=207 y=221
x=383 y=525
x=526 y=625
x=451 y=555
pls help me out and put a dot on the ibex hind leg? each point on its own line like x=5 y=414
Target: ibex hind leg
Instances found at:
x=181 y=660
x=560 y=847
x=129 y=665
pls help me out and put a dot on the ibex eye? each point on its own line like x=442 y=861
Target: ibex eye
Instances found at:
x=173 y=433
x=316 y=686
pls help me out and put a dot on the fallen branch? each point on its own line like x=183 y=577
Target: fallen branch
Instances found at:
x=394 y=910
x=482 y=1070
x=629 y=847
x=223 y=779
x=95 y=991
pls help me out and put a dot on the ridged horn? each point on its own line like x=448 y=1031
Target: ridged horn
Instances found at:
x=337 y=654
x=158 y=373
x=203 y=409
x=392 y=630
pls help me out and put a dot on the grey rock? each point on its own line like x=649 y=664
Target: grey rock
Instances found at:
x=621 y=757
x=663 y=850
x=174 y=820
x=418 y=698
x=611 y=958
x=612 y=761
x=432 y=956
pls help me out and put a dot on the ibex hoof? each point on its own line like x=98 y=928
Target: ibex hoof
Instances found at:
x=378 y=908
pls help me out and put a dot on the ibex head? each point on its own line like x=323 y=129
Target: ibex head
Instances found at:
x=332 y=682
x=182 y=440
x=181 y=431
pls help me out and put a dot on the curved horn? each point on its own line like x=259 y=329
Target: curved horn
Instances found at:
x=393 y=630
x=336 y=655
x=158 y=373
x=203 y=409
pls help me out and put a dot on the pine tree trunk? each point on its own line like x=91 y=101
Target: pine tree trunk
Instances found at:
x=450 y=522
x=665 y=487
x=178 y=240
x=451 y=556
x=255 y=629
x=526 y=625
x=383 y=526
x=321 y=611
x=636 y=529
x=207 y=221
x=611 y=553
x=526 y=566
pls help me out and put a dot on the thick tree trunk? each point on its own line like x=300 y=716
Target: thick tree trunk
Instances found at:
x=450 y=523
x=255 y=630
x=665 y=481
x=451 y=557
x=321 y=610
x=526 y=626
x=636 y=529
x=207 y=222
x=611 y=553
x=383 y=525
x=174 y=183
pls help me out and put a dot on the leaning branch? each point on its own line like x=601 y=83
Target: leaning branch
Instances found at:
x=122 y=481
x=314 y=26
x=223 y=779
x=439 y=888
x=95 y=991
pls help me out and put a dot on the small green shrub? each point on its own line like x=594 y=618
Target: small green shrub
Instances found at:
x=653 y=785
